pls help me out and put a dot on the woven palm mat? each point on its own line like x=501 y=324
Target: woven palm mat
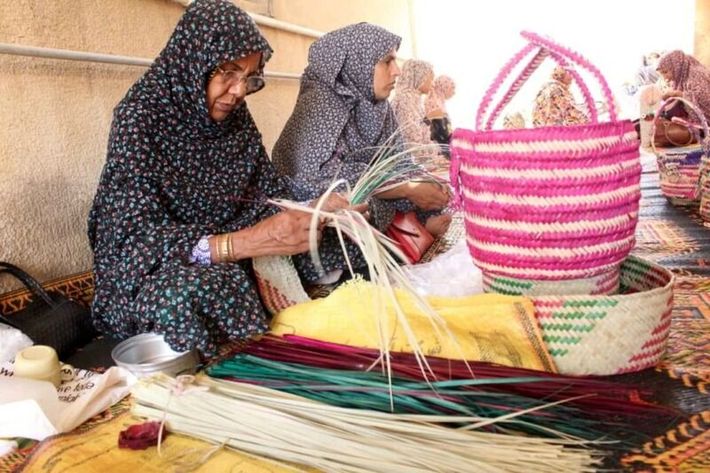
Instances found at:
x=674 y=237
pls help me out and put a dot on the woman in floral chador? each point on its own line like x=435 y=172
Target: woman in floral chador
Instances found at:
x=554 y=104
x=181 y=205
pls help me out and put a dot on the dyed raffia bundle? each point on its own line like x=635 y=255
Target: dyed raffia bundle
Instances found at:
x=555 y=203
x=519 y=400
x=288 y=428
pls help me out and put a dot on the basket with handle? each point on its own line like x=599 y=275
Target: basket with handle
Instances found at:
x=683 y=170
x=554 y=203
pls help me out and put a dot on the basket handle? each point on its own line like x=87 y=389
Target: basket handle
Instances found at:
x=563 y=57
x=668 y=103
x=455 y=180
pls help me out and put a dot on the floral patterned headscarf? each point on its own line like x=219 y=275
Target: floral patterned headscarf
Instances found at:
x=336 y=113
x=690 y=77
x=407 y=102
x=442 y=90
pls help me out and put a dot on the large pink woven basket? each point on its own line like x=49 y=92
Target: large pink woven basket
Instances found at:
x=549 y=203
x=685 y=171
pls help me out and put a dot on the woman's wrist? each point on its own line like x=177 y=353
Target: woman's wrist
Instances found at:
x=228 y=247
x=403 y=191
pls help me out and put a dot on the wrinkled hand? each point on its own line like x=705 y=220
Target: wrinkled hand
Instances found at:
x=285 y=234
x=428 y=195
x=337 y=202
x=672 y=93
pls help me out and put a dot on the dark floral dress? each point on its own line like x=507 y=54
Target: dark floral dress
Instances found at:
x=174 y=175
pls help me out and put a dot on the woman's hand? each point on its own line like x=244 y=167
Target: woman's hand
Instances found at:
x=427 y=195
x=672 y=93
x=337 y=202
x=283 y=234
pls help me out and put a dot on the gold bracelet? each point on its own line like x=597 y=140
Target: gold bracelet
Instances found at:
x=222 y=249
x=230 y=249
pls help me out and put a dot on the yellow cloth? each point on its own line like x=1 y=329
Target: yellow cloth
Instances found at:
x=487 y=327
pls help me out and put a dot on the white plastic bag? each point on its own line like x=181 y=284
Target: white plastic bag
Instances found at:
x=451 y=274
x=11 y=342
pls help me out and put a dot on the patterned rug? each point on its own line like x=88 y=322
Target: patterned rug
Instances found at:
x=672 y=236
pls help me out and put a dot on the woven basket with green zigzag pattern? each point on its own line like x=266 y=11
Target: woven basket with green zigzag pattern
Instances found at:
x=611 y=334
x=586 y=334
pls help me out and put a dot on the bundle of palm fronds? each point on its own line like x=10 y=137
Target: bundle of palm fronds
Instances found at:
x=288 y=428
x=389 y=168
x=519 y=400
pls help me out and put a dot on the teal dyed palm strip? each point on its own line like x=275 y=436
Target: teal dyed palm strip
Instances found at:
x=513 y=283
x=370 y=390
x=578 y=315
x=600 y=302
x=568 y=327
x=563 y=339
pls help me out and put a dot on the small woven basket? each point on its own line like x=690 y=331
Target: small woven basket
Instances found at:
x=684 y=170
x=585 y=334
x=603 y=335
x=556 y=203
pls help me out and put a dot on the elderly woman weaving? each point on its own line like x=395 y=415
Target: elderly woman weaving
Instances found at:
x=181 y=206
x=341 y=118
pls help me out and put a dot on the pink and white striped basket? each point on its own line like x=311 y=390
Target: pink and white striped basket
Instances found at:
x=684 y=171
x=557 y=203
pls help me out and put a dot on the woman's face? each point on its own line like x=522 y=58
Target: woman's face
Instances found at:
x=223 y=96
x=386 y=72
x=425 y=88
x=666 y=74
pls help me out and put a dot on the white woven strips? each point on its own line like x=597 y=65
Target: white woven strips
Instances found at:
x=615 y=338
x=546 y=146
x=558 y=252
x=462 y=144
x=534 y=273
x=555 y=174
x=622 y=194
x=280 y=272
x=597 y=226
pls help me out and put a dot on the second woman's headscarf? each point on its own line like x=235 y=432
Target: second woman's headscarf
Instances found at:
x=336 y=116
x=441 y=90
x=407 y=103
x=690 y=77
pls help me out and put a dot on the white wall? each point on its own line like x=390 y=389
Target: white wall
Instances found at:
x=472 y=40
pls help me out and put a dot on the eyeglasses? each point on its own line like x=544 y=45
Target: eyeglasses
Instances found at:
x=253 y=83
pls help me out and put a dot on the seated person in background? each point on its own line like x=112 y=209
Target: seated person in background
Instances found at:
x=688 y=78
x=442 y=90
x=342 y=115
x=647 y=73
x=554 y=104
x=416 y=80
x=181 y=205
